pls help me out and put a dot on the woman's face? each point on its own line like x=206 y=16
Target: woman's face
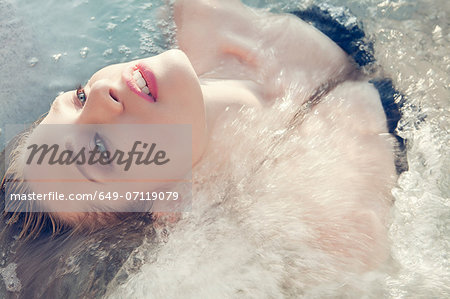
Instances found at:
x=114 y=95
x=131 y=107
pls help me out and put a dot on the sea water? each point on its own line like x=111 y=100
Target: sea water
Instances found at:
x=52 y=46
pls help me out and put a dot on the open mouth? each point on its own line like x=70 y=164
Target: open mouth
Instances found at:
x=141 y=80
x=141 y=83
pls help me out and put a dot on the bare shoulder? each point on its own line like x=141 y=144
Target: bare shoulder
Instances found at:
x=190 y=6
x=360 y=104
x=351 y=123
x=187 y=12
x=207 y=29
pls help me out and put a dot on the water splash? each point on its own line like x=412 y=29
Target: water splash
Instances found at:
x=10 y=279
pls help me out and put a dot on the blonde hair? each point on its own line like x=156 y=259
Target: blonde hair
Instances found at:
x=32 y=222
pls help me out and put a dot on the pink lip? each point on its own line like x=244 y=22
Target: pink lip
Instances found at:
x=149 y=78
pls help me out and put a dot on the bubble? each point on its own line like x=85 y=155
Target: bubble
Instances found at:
x=110 y=26
x=9 y=275
x=124 y=50
x=127 y=17
x=33 y=61
x=147 y=6
x=57 y=56
x=107 y=52
x=437 y=33
x=84 y=52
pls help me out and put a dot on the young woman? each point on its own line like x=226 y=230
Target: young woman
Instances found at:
x=302 y=99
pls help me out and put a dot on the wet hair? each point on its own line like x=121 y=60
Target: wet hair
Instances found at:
x=12 y=181
x=31 y=224
x=39 y=244
x=342 y=27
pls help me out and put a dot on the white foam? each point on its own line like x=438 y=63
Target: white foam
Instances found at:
x=10 y=279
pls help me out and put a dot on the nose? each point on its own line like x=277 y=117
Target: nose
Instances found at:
x=102 y=105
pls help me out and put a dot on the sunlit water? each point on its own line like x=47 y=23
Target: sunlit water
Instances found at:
x=53 y=46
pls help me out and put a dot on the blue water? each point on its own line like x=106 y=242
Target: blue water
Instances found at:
x=53 y=46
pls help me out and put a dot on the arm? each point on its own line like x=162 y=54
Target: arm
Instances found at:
x=225 y=39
